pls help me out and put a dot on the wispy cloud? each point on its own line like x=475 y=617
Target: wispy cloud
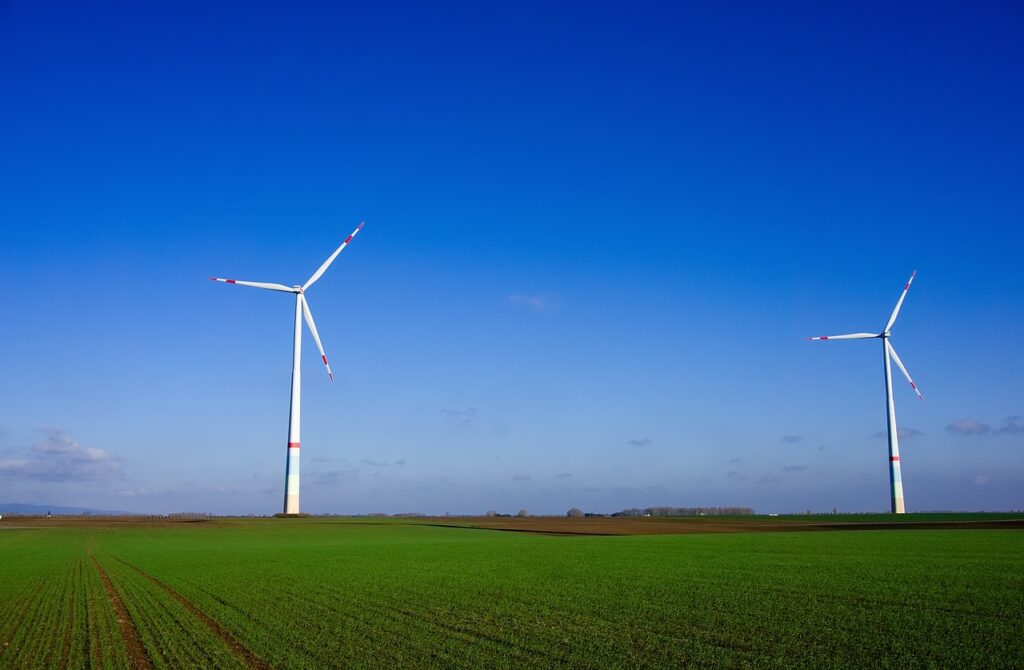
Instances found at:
x=58 y=458
x=736 y=460
x=968 y=427
x=902 y=432
x=767 y=479
x=563 y=475
x=328 y=459
x=463 y=417
x=538 y=302
x=330 y=477
x=383 y=464
x=642 y=442
x=981 y=480
x=1011 y=426
x=521 y=477
x=792 y=439
x=794 y=468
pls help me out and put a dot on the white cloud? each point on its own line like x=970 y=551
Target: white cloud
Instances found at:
x=968 y=427
x=59 y=458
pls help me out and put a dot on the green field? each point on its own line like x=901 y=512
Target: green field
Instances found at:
x=317 y=593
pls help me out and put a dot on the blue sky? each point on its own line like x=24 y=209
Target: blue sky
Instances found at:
x=596 y=238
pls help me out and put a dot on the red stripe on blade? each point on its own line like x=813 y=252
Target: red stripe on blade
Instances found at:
x=894 y=459
x=230 y=281
x=293 y=445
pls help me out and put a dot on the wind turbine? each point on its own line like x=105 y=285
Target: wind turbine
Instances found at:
x=888 y=353
x=291 y=488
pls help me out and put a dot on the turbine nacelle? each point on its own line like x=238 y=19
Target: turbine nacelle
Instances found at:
x=884 y=336
x=300 y=292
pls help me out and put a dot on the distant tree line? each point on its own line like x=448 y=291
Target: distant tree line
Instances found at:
x=683 y=511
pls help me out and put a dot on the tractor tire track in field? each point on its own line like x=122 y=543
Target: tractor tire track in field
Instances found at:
x=65 y=645
x=241 y=651
x=132 y=642
x=92 y=632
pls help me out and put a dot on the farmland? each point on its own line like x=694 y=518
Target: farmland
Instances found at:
x=313 y=593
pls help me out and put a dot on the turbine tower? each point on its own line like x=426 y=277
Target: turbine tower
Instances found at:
x=291 y=486
x=888 y=353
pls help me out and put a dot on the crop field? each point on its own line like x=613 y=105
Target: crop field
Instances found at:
x=351 y=593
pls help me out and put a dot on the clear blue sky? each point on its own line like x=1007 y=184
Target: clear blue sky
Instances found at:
x=596 y=238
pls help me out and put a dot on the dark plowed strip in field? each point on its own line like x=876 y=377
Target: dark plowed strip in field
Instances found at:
x=616 y=526
x=240 y=650
x=532 y=529
x=132 y=641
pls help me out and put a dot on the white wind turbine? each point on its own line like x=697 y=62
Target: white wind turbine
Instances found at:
x=291 y=491
x=895 y=478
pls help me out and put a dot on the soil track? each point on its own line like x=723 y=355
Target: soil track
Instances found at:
x=133 y=643
x=29 y=522
x=685 y=526
x=240 y=650
x=65 y=644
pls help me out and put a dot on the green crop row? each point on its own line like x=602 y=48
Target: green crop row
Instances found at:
x=172 y=636
x=321 y=594
x=54 y=612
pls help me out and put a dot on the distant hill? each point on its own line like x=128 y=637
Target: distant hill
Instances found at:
x=21 y=508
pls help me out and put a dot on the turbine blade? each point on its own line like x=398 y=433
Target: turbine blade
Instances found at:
x=257 y=284
x=327 y=263
x=899 y=364
x=316 y=336
x=899 y=303
x=852 y=336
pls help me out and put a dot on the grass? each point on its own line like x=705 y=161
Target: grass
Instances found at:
x=315 y=593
